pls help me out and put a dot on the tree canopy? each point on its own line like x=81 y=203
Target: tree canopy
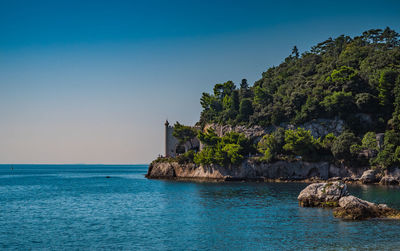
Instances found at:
x=341 y=76
x=356 y=79
x=184 y=133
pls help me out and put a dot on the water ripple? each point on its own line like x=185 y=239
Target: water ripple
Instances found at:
x=77 y=208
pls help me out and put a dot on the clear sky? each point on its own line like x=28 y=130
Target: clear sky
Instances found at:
x=94 y=81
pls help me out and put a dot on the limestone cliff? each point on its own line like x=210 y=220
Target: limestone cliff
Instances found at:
x=252 y=170
x=317 y=127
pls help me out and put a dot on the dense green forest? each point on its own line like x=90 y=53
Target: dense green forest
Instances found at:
x=346 y=78
x=338 y=77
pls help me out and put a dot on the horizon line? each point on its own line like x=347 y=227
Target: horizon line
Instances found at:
x=108 y=164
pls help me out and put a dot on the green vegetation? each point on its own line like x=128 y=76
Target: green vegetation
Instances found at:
x=184 y=133
x=354 y=79
x=339 y=77
x=342 y=144
x=231 y=149
x=293 y=144
x=269 y=147
x=369 y=141
x=389 y=154
x=290 y=144
x=301 y=143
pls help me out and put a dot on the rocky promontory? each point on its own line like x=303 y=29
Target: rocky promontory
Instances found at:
x=252 y=170
x=345 y=206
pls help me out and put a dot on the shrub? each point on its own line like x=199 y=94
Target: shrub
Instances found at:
x=389 y=154
x=300 y=142
x=227 y=150
x=341 y=146
x=268 y=146
x=355 y=149
x=232 y=152
x=267 y=156
x=386 y=157
x=187 y=157
x=369 y=141
x=206 y=156
x=367 y=102
x=209 y=138
x=338 y=103
x=328 y=140
x=184 y=133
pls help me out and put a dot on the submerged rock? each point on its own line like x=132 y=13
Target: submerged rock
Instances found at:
x=368 y=177
x=322 y=194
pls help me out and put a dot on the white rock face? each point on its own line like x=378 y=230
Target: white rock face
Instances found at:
x=282 y=170
x=250 y=132
x=318 y=128
x=321 y=127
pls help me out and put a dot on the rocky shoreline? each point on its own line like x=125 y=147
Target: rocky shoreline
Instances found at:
x=328 y=188
x=280 y=171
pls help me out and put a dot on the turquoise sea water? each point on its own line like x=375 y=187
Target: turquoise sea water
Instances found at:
x=75 y=207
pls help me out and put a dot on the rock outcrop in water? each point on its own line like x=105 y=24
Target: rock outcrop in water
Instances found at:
x=345 y=206
x=353 y=208
x=322 y=194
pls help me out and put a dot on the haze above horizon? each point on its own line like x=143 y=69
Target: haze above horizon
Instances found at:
x=93 y=82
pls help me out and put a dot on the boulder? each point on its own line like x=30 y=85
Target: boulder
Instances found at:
x=346 y=206
x=389 y=181
x=368 y=177
x=322 y=194
x=353 y=208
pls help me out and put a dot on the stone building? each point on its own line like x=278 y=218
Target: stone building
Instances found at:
x=172 y=145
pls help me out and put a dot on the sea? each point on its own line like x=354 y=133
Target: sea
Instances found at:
x=114 y=207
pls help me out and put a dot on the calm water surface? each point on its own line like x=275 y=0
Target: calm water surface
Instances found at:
x=75 y=207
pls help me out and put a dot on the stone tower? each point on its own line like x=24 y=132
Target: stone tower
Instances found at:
x=167 y=139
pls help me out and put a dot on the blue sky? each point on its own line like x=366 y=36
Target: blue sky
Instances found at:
x=94 y=81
